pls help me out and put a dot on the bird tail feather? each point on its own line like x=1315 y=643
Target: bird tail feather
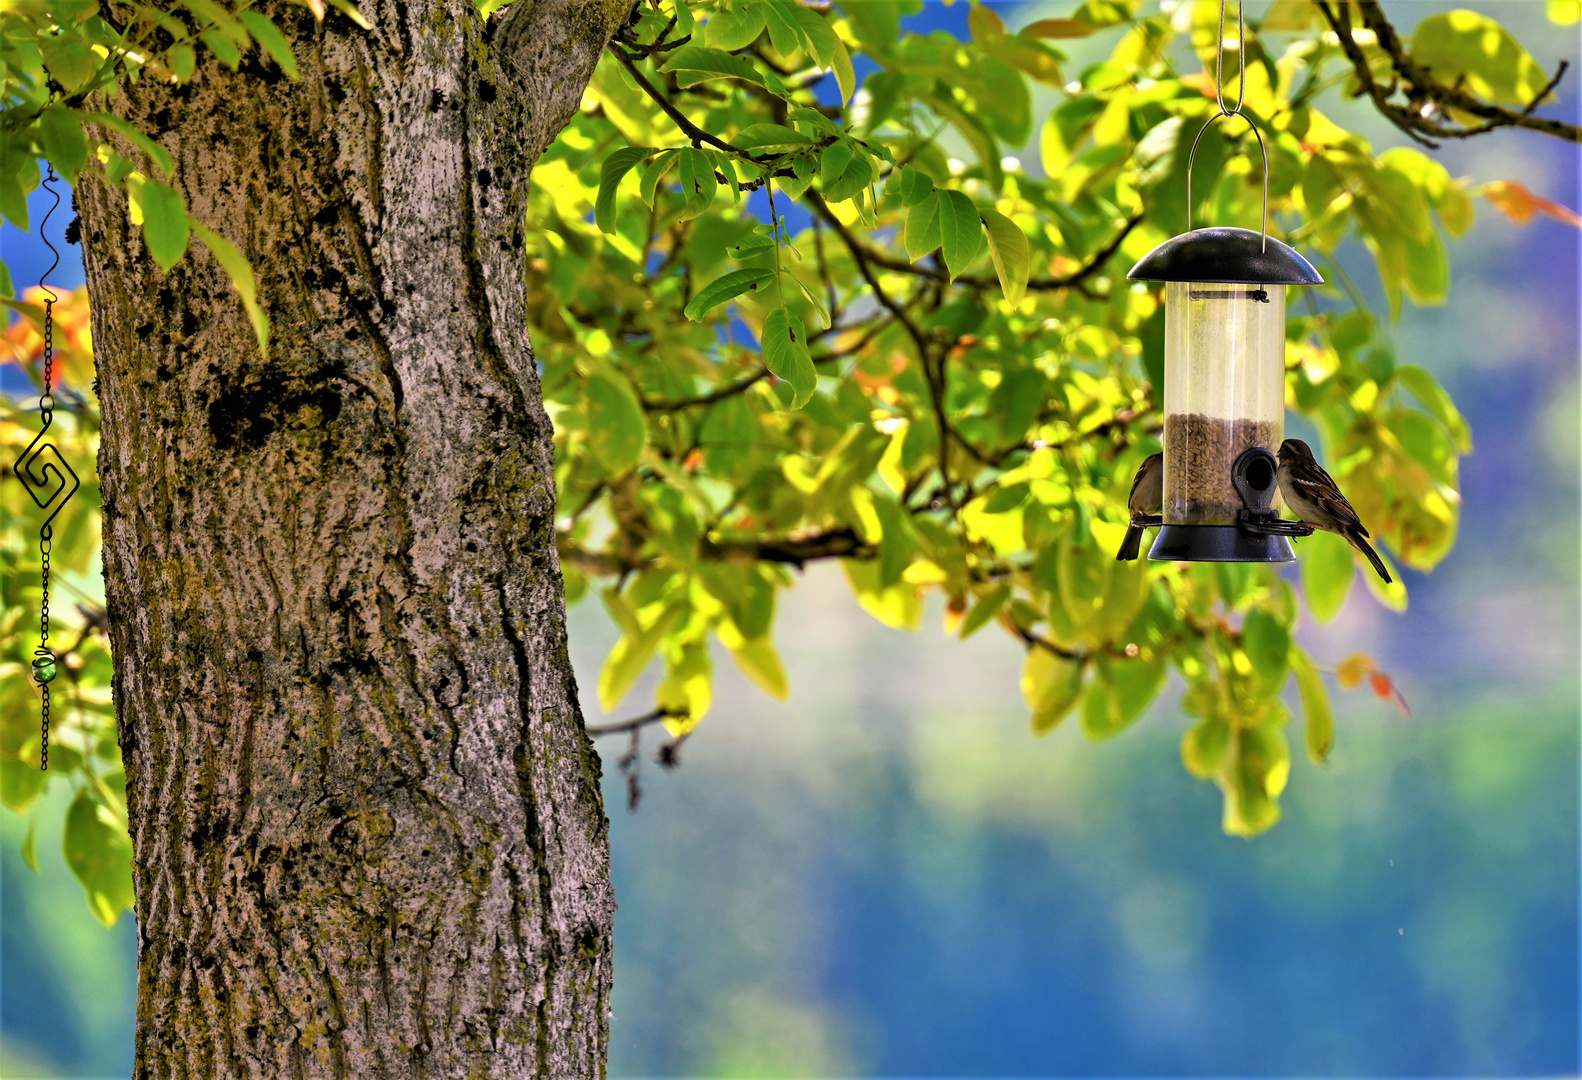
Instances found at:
x=1372 y=556
x=1131 y=545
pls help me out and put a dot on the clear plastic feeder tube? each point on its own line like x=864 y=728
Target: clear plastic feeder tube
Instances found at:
x=1224 y=392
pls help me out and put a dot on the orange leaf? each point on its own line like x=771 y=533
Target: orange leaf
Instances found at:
x=1353 y=669
x=1386 y=690
x=1056 y=28
x=1519 y=204
x=955 y=611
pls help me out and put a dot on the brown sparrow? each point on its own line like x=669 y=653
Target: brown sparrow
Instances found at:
x=1148 y=498
x=1314 y=498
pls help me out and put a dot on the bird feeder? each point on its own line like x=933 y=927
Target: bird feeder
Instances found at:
x=1224 y=392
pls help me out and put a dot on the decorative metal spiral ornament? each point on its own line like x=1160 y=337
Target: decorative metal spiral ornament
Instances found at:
x=51 y=481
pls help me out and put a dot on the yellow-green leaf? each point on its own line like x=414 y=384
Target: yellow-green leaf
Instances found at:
x=1010 y=251
x=1467 y=46
x=240 y=271
x=961 y=231
x=630 y=656
x=617 y=430
x=1318 y=721
x=165 y=227
x=274 y=42
x=614 y=167
x=99 y=852
x=786 y=354
x=1327 y=573
x=1051 y=684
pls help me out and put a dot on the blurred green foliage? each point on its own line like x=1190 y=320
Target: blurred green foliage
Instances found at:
x=952 y=382
x=949 y=382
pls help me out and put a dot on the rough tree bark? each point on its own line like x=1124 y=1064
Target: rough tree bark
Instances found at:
x=368 y=830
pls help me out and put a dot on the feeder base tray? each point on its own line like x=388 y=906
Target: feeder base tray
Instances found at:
x=1219 y=543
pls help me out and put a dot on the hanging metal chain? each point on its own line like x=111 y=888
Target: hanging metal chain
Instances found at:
x=1241 y=99
x=50 y=480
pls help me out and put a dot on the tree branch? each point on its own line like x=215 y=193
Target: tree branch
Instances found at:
x=1094 y=264
x=636 y=722
x=1425 y=93
x=796 y=550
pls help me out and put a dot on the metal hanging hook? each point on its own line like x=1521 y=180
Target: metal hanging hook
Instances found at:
x=1241 y=99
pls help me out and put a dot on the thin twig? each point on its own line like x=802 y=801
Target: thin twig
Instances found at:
x=633 y=724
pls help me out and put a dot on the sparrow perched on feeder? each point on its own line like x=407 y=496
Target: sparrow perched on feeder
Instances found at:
x=1148 y=498
x=1312 y=496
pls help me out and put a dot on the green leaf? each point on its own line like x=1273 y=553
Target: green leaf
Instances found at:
x=1433 y=398
x=1318 y=722
x=693 y=64
x=897 y=605
x=630 y=656
x=7 y=290
x=68 y=61
x=1393 y=595
x=60 y=130
x=923 y=233
x=351 y=11
x=845 y=74
x=617 y=430
x=273 y=41
x=688 y=686
x=1120 y=692
x=786 y=354
x=725 y=288
x=653 y=172
x=776 y=137
x=210 y=12
x=1203 y=747
x=1051 y=684
x=1327 y=573
x=240 y=271
x=1464 y=45
x=21 y=782
x=961 y=231
x=698 y=182
x=1267 y=642
x=751 y=246
x=99 y=852
x=614 y=168
x=165 y=228
x=159 y=155
x=897 y=544
x=759 y=661
x=686 y=23
x=912 y=185
x=821 y=37
x=223 y=48
x=1012 y=254
x=734 y=28
x=784 y=32
x=987 y=607
x=844 y=170
x=1257 y=775
x=183 y=61
x=30 y=845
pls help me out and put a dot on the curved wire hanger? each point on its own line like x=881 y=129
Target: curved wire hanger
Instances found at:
x=1241 y=99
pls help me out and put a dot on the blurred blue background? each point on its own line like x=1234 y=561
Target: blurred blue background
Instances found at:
x=890 y=876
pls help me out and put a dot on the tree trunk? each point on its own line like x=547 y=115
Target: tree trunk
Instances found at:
x=368 y=830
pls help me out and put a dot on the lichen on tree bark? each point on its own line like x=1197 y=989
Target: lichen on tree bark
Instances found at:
x=368 y=833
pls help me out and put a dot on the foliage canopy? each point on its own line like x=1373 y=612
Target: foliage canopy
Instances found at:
x=793 y=300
